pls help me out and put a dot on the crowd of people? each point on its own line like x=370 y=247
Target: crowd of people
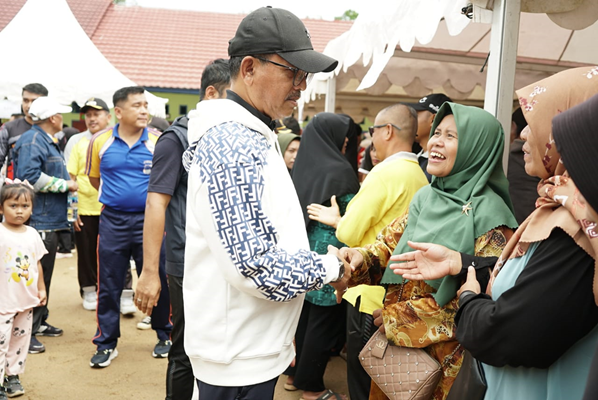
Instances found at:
x=263 y=248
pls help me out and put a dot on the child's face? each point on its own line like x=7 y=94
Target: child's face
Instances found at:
x=17 y=210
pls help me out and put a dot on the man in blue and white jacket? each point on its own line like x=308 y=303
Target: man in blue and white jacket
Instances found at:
x=247 y=259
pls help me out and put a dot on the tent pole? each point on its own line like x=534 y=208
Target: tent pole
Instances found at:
x=500 y=80
x=330 y=104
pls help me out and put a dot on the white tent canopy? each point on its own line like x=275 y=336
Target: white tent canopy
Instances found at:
x=448 y=63
x=35 y=41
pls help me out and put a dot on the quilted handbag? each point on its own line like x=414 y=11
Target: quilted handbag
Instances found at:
x=402 y=373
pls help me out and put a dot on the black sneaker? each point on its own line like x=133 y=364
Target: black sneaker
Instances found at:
x=46 y=329
x=35 y=346
x=13 y=386
x=2 y=392
x=162 y=348
x=102 y=359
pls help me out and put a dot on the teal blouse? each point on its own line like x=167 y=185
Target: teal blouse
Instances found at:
x=565 y=379
x=320 y=236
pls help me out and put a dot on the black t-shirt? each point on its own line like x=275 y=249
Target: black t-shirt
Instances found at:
x=166 y=164
x=12 y=131
x=169 y=177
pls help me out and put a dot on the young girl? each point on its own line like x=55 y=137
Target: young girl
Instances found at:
x=21 y=282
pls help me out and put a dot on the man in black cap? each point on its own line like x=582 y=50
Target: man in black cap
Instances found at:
x=426 y=108
x=249 y=267
x=97 y=118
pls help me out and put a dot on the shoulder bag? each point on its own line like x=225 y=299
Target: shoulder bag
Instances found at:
x=402 y=373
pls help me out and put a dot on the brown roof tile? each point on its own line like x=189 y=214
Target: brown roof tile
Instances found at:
x=164 y=48
x=170 y=48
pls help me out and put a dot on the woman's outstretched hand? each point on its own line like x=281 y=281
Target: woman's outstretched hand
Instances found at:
x=428 y=261
x=326 y=215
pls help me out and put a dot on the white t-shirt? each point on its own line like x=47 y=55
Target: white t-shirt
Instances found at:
x=19 y=254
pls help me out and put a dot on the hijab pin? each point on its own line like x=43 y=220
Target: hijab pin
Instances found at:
x=466 y=208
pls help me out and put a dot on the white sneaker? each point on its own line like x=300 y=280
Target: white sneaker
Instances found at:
x=145 y=323
x=127 y=306
x=64 y=255
x=90 y=299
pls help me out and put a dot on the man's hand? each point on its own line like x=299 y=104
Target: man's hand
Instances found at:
x=378 y=321
x=471 y=283
x=72 y=185
x=326 y=215
x=428 y=261
x=342 y=285
x=77 y=224
x=352 y=256
x=147 y=291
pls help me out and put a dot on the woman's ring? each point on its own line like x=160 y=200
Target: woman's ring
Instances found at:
x=138 y=300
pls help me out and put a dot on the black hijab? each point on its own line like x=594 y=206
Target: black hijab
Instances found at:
x=321 y=170
x=352 y=150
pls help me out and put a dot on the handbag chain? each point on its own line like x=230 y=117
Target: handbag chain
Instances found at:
x=448 y=358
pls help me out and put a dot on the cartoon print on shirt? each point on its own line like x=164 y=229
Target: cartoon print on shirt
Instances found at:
x=21 y=269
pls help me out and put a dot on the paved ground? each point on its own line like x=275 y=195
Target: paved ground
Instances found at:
x=63 y=371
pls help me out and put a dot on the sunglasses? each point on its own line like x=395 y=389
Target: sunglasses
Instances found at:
x=299 y=75
x=371 y=128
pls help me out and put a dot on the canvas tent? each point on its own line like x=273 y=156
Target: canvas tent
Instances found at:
x=448 y=63
x=35 y=43
x=376 y=61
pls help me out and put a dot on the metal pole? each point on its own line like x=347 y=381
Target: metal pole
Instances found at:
x=330 y=103
x=500 y=80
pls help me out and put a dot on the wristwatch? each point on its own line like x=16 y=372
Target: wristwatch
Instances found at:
x=341 y=270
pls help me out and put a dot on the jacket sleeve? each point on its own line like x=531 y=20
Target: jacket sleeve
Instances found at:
x=550 y=307
x=31 y=160
x=261 y=268
x=3 y=146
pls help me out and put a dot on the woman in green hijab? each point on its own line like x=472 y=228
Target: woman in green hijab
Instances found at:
x=467 y=208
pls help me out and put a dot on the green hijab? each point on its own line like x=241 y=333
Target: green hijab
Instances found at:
x=476 y=183
x=285 y=138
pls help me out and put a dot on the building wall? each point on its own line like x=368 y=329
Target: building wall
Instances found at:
x=175 y=100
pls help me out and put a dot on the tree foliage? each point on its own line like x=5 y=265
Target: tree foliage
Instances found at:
x=348 y=15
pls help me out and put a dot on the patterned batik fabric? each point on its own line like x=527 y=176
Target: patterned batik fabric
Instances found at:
x=417 y=321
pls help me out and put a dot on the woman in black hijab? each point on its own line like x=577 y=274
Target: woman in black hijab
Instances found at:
x=321 y=171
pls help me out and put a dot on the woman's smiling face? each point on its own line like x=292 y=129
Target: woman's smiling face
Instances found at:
x=442 y=148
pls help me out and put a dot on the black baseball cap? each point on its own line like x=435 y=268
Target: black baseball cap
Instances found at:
x=431 y=102
x=96 y=103
x=270 y=30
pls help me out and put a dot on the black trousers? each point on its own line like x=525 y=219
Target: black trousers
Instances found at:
x=179 y=374
x=260 y=391
x=360 y=328
x=65 y=241
x=87 y=254
x=317 y=334
x=40 y=313
x=87 y=251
